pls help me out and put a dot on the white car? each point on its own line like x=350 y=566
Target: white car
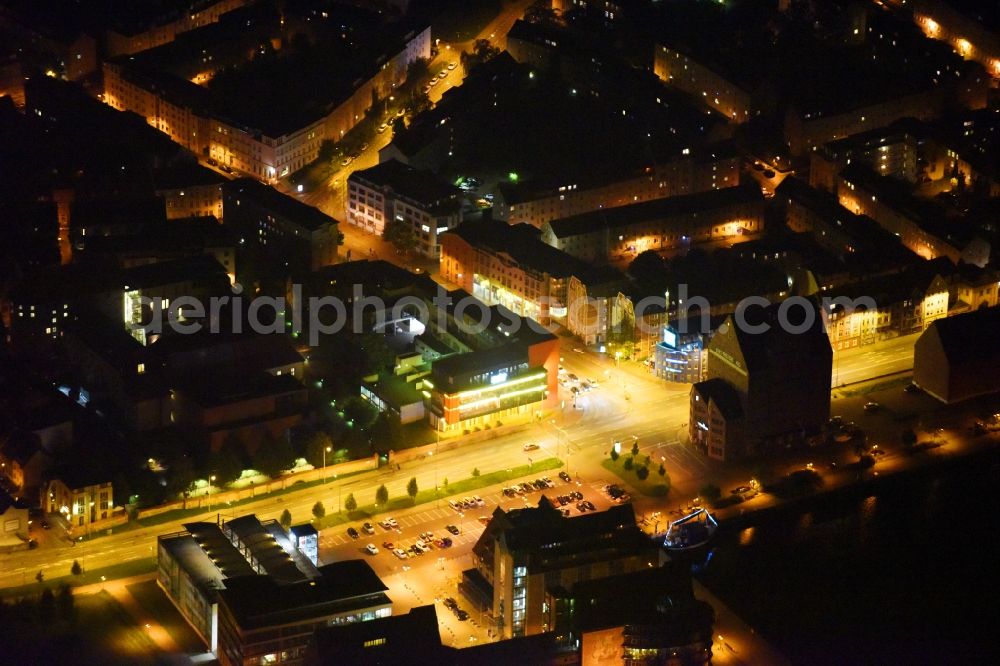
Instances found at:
x=478 y=500
x=400 y=553
x=451 y=66
x=530 y=447
x=455 y=505
x=371 y=549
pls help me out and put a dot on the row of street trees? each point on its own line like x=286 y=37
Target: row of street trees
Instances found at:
x=351 y=504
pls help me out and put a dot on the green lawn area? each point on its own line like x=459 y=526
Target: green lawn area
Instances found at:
x=463 y=486
x=123 y=570
x=95 y=630
x=152 y=598
x=106 y=624
x=654 y=485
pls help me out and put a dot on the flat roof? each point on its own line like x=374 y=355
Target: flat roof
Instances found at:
x=259 y=601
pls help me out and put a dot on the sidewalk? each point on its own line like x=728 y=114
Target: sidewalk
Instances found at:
x=735 y=642
x=118 y=589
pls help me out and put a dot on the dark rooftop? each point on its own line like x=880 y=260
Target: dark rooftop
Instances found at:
x=265 y=196
x=521 y=243
x=258 y=601
x=724 y=396
x=970 y=337
x=413 y=638
x=687 y=204
x=416 y=184
x=545 y=540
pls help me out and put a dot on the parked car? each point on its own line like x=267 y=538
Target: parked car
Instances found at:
x=454 y=530
x=368 y=528
x=455 y=505
x=461 y=615
x=450 y=603
x=565 y=476
x=351 y=532
x=871 y=406
x=371 y=549
x=530 y=446
x=400 y=553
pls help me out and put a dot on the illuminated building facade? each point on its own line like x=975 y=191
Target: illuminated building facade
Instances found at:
x=693 y=170
x=891 y=151
x=702 y=83
x=511 y=381
x=396 y=193
x=969 y=38
x=920 y=226
x=81 y=498
x=680 y=357
x=509 y=266
x=662 y=224
x=265 y=145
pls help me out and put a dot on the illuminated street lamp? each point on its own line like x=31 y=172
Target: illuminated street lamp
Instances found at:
x=326 y=450
x=208 y=491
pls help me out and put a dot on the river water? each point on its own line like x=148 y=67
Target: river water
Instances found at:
x=902 y=571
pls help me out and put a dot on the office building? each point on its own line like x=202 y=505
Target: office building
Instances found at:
x=253 y=597
x=525 y=554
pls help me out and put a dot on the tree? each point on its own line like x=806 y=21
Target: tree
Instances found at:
x=47 y=607
x=400 y=234
x=350 y=504
x=482 y=51
x=710 y=491
x=65 y=603
x=662 y=471
x=286 y=519
x=386 y=432
x=181 y=474
x=411 y=488
x=647 y=267
x=319 y=510
x=381 y=495
x=540 y=14
x=642 y=472
x=909 y=437
x=229 y=461
x=635 y=448
x=614 y=455
x=273 y=456
x=417 y=71
x=628 y=463
x=360 y=412
x=76 y=569
x=39 y=576
x=475 y=471
x=317 y=443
